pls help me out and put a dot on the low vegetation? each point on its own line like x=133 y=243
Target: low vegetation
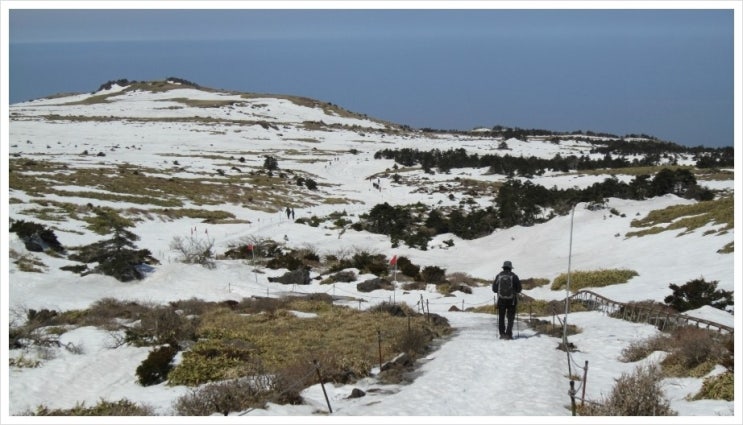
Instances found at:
x=121 y=407
x=592 y=279
x=691 y=351
x=639 y=393
x=236 y=345
x=687 y=218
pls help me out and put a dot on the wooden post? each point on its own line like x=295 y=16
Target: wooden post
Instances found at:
x=572 y=396
x=319 y=376
x=379 y=340
x=583 y=390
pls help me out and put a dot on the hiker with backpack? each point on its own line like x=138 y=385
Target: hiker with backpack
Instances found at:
x=507 y=286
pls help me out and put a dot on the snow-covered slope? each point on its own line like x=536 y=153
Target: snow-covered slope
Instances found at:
x=190 y=132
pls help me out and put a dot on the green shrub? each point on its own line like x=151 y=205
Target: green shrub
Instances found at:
x=367 y=262
x=154 y=369
x=718 y=387
x=213 y=359
x=35 y=236
x=698 y=293
x=594 y=278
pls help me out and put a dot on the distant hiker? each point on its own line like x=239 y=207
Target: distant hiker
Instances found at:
x=288 y=213
x=292 y=213
x=507 y=286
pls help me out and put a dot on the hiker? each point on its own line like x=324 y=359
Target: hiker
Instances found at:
x=288 y=212
x=507 y=286
x=292 y=213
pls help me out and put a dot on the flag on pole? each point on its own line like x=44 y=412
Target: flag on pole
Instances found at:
x=250 y=247
x=393 y=261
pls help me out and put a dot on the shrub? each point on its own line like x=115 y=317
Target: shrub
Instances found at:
x=718 y=387
x=691 y=351
x=194 y=250
x=367 y=262
x=36 y=237
x=124 y=265
x=532 y=282
x=406 y=267
x=636 y=394
x=224 y=397
x=341 y=276
x=122 y=407
x=694 y=352
x=285 y=261
x=552 y=329
x=433 y=274
x=161 y=325
x=547 y=308
x=698 y=293
x=638 y=350
x=115 y=256
x=154 y=369
x=594 y=278
x=214 y=360
x=310 y=184
x=270 y=163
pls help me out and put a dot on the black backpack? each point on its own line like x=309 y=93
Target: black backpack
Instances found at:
x=504 y=283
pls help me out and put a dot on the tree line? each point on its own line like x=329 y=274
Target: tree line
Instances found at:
x=519 y=203
x=510 y=165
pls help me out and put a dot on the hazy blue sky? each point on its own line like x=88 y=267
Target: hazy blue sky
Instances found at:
x=666 y=73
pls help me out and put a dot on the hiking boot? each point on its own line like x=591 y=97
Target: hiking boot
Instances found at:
x=505 y=336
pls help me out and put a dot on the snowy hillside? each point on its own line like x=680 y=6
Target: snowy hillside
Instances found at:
x=209 y=149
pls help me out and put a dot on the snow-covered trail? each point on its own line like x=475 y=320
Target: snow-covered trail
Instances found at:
x=484 y=373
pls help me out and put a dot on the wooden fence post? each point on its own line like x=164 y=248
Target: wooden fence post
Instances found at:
x=572 y=395
x=379 y=340
x=319 y=376
x=583 y=390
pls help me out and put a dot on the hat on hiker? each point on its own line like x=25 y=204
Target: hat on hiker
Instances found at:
x=507 y=265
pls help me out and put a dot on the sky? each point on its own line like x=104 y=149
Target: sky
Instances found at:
x=665 y=73
x=458 y=382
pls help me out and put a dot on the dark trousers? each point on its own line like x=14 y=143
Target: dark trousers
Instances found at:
x=506 y=310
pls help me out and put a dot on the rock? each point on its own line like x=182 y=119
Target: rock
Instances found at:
x=296 y=277
x=357 y=393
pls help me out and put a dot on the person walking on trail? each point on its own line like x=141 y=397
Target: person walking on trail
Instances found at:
x=507 y=286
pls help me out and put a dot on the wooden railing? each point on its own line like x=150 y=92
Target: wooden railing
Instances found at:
x=662 y=319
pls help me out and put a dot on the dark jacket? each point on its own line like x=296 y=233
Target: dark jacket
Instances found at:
x=516 y=282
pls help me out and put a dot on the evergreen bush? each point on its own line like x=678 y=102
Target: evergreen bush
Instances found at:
x=698 y=293
x=155 y=368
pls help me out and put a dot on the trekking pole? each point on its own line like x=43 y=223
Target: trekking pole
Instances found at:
x=516 y=314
